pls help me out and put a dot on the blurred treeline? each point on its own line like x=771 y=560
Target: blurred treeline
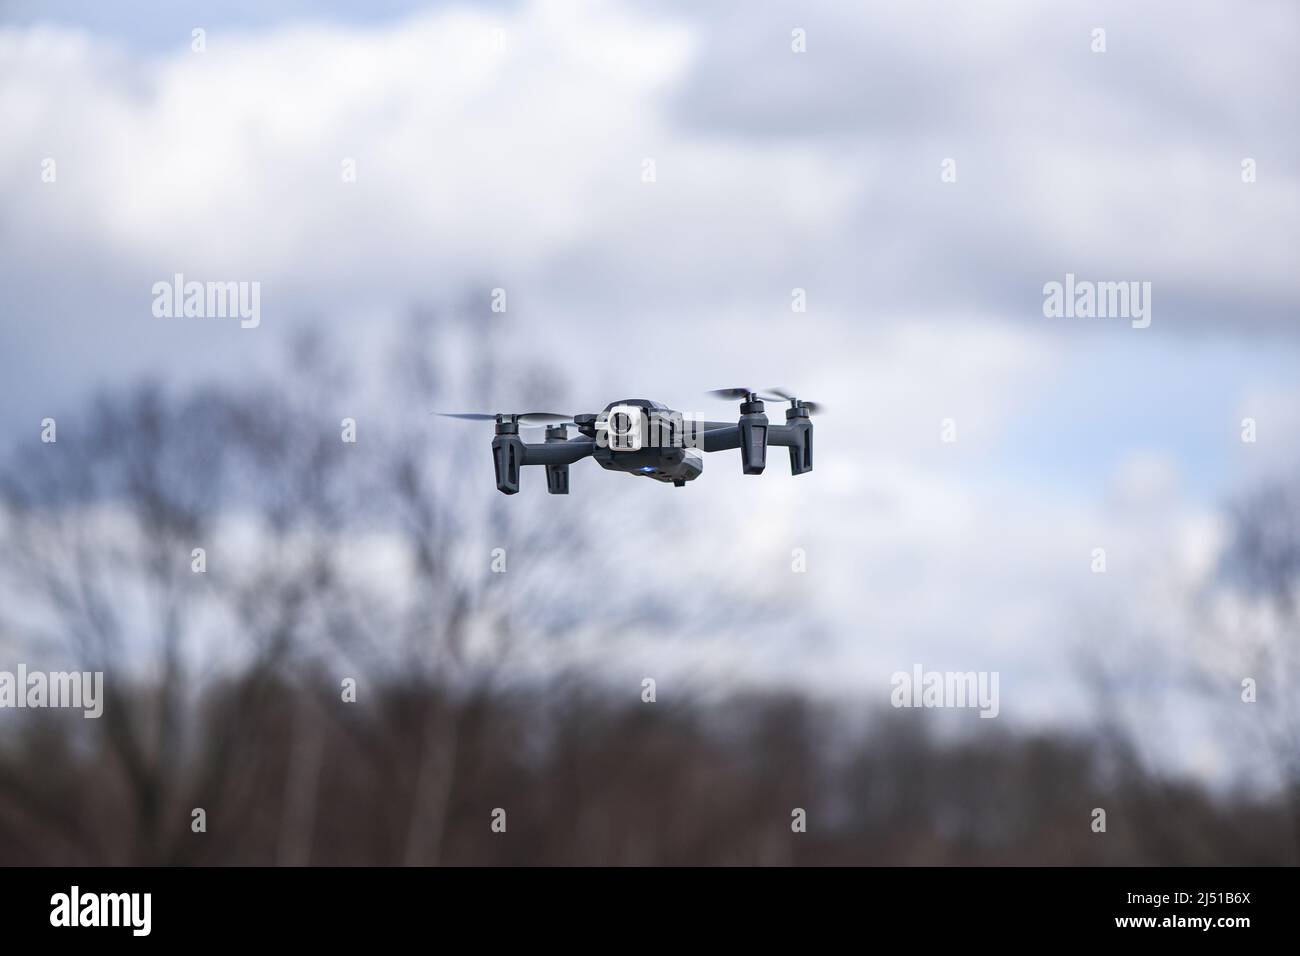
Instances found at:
x=327 y=561
x=586 y=780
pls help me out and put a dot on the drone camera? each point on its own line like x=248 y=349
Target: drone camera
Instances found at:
x=621 y=428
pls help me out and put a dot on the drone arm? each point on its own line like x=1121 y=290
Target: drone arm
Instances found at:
x=783 y=435
x=556 y=453
x=510 y=453
x=721 y=438
x=799 y=439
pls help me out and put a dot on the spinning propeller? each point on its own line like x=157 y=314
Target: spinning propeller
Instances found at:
x=812 y=407
x=743 y=394
x=522 y=418
x=778 y=395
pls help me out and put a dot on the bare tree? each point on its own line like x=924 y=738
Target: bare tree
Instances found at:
x=107 y=529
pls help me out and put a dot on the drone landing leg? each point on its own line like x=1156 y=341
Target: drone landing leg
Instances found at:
x=507 y=456
x=557 y=479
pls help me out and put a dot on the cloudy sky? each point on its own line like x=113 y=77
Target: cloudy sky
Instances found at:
x=505 y=145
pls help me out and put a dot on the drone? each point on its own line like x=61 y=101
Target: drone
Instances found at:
x=641 y=437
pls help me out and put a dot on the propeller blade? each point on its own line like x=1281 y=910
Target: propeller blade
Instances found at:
x=786 y=395
x=568 y=424
x=731 y=392
x=524 y=418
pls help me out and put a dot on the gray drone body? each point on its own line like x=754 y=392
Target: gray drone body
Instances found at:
x=641 y=437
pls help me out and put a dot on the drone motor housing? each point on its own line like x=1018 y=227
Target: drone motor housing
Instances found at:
x=801 y=449
x=557 y=476
x=753 y=437
x=507 y=456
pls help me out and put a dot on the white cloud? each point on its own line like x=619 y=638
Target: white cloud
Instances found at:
x=518 y=163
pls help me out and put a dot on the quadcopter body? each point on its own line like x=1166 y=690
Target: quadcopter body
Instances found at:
x=646 y=438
